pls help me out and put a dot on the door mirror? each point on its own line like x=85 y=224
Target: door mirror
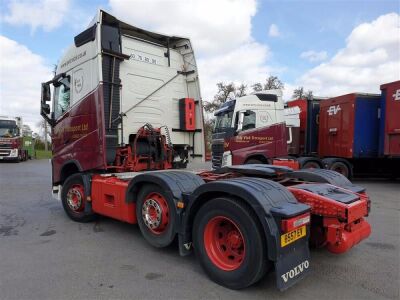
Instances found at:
x=45 y=92
x=44 y=107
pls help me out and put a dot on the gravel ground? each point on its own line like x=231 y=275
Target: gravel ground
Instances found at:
x=44 y=255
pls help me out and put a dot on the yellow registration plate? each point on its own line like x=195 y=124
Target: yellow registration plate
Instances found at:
x=292 y=236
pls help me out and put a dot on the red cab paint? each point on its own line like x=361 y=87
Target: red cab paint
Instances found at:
x=268 y=142
x=78 y=135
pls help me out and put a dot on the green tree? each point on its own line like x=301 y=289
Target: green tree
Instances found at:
x=225 y=93
x=271 y=83
x=301 y=93
x=257 y=87
x=208 y=129
x=241 y=90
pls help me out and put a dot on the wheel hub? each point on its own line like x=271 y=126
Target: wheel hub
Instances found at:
x=75 y=198
x=224 y=243
x=234 y=239
x=152 y=213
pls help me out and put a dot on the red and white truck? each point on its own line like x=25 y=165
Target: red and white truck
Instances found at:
x=256 y=129
x=11 y=139
x=127 y=109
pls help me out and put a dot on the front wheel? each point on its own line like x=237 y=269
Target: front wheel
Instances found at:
x=73 y=199
x=229 y=243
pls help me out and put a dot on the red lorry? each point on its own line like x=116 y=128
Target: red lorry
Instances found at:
x=240 y=220
x=11 y=139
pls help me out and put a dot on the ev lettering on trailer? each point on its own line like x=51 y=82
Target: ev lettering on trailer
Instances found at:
x=295 y=271
x=333 y=110
x=396 y=95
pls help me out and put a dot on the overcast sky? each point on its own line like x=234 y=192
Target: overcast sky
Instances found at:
x=330 y=47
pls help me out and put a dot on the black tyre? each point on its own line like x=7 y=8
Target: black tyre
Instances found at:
x=229 y=243
x=73 y=199
x=311 y=164
x=253 y=161
x=156 y=215
x=341 y=168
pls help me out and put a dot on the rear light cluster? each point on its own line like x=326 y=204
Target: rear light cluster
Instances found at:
x=295 y=222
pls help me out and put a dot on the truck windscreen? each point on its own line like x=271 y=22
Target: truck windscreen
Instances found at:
x=8 y=128
x=223 y=120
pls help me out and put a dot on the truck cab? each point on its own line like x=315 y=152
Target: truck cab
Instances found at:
x=114 y=79
x=11 y=139
x=250 y=129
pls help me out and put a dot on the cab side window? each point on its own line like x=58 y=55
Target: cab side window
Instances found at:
x=62 y=97
x=249 y=120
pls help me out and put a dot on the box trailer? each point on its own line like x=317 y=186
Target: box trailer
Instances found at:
x=349 y=126
x=309 y=126
x=356 y=133
x=389 y=130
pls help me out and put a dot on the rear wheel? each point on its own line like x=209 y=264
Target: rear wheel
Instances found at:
x=229 y=243
x=341 y=168
x=73 y=199
x=311 y=165
x=155 y=211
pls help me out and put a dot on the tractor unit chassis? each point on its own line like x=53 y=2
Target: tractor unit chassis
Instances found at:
x=241 y=221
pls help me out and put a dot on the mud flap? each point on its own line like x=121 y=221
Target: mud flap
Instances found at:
x=292 y=266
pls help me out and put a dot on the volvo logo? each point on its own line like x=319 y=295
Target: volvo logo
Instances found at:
x=295 y=271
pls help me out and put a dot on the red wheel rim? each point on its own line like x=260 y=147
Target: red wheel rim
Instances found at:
x=155 y=213
x=224 y=243
x=75 y=198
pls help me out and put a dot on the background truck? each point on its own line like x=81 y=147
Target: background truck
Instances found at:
x=253 y=130
x=349 y=134
x=108 y=160
x=11 y=139
x=354 y=133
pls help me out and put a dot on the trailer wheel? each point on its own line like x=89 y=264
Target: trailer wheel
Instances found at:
x=229 y=243
x=155 y=211
x=73 y=199
x=341 y=168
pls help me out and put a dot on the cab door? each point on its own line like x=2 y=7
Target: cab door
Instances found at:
x=61 y=106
